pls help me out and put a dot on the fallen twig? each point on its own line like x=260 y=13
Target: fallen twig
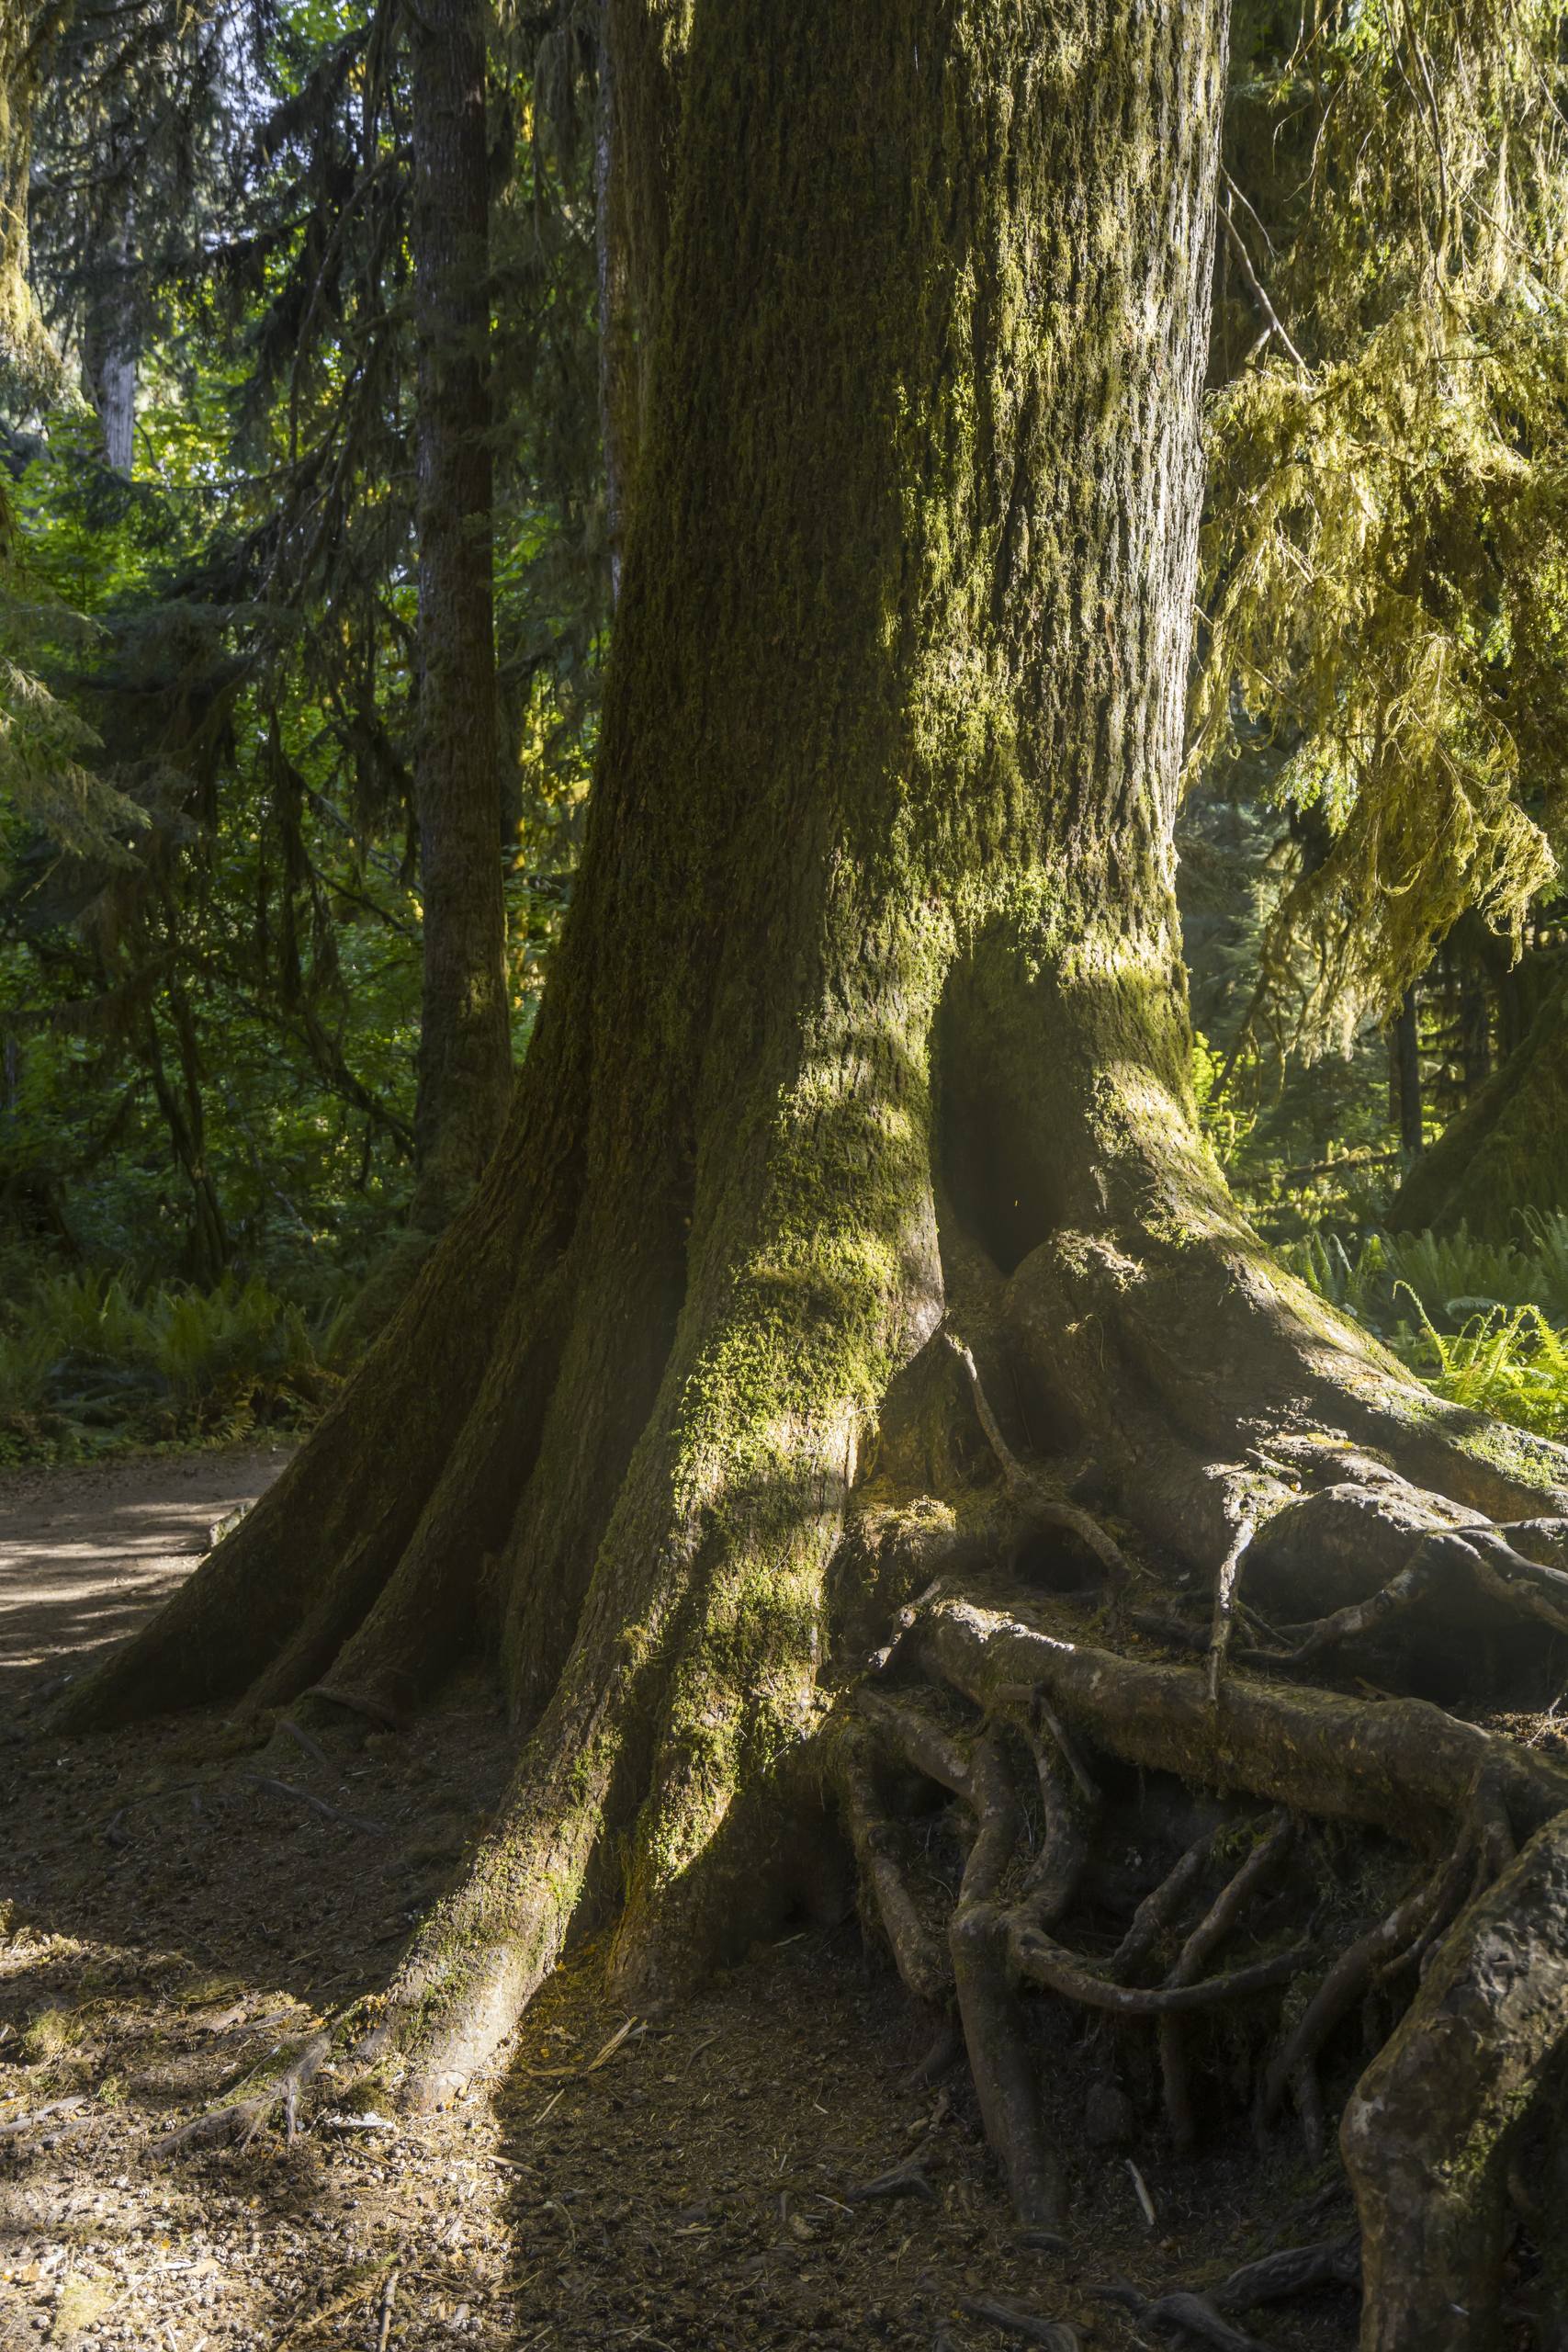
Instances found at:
x=242 y=2119
x=388 y=2297
x=40 y=2115
x=553 y=2073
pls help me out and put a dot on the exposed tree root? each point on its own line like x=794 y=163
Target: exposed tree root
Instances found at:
x=1296 y=2270
x=981 y=1761
x=1024 y=2327
x=945 y=1644
x=903 y=2181
x=276 y=2088
x=1188 y=2318
x=1211 y=1931
x=1484 y=1935
x=1427 y=2133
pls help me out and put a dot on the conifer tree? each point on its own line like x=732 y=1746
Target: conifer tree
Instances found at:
x=851 y=1362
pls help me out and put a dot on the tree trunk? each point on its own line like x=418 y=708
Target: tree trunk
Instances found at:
x=1504 y=1152
x=1405 y=1075
x=109 y=341
x=29 y=33
x=868 y=1035
x=207 y=1250
x=617 y=355
x=465 y=1060
x=636 y=113
x=1475 y=1034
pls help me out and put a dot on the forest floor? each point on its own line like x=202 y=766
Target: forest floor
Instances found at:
x=175 y=1904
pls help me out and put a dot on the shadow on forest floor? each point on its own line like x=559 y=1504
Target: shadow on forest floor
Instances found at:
x=85 y=1553
x=679 y=2181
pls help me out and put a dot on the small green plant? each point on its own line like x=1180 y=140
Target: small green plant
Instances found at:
x=1226 y=1122
x=49 y=2034
x=1349 y=1278
x=1547 y=1239
x=1453 y=1275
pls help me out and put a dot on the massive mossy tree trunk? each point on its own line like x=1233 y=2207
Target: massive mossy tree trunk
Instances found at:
x=1507 y=1149
x=465 y=1058
x=868 y=1036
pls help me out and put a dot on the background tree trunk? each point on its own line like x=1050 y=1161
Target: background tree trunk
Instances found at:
x=1404 y=1074
x=1504 y=1152
x=110 y=338
x=465 y=1062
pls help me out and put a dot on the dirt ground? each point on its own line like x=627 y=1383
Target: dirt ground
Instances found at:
x=178 y=1902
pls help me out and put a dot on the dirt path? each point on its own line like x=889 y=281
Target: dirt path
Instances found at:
x=85 y=1553
x=173 y=1908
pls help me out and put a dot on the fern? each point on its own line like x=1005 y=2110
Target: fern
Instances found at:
x=86 y=1361
x=1510 y=1361
x=1489 y=1328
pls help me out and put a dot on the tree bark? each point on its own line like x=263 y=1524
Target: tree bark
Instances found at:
x=110 y=340
x=464 y=1065
x=636 y=113
x=28 y=36
x=616 y=350
x=868 y=1032
x=1503 y=1153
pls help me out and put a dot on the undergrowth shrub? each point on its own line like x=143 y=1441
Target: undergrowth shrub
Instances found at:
x=88 y=1362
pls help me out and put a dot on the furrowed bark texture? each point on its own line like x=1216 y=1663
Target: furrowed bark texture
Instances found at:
x=465 y=1056
x=640 y=47
x=869 y=1018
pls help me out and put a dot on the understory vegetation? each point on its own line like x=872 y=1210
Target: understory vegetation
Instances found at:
x=88 y=1363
